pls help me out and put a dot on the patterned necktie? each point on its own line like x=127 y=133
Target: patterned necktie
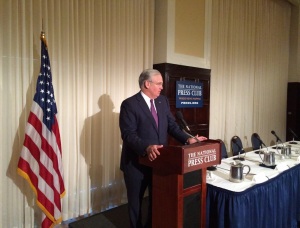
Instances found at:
x=154 y=114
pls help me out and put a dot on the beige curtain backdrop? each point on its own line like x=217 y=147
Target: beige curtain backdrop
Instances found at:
x=97 y=50
x=249 y=62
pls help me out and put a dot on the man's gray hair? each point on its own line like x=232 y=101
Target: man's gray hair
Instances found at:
x=146 y=75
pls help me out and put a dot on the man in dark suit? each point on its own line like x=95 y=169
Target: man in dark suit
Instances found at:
x=142 y=135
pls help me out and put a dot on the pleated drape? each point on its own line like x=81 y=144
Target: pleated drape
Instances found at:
x=98 y=49
x=249 y=62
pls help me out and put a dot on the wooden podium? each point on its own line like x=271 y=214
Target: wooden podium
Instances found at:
x=169 y=190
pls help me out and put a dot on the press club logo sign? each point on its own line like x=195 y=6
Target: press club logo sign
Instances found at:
x=189 y=94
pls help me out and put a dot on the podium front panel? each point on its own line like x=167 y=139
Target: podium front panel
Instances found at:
x=192 y=210
x=191 y=179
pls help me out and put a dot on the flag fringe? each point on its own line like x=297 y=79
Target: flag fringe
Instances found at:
x=27 y=178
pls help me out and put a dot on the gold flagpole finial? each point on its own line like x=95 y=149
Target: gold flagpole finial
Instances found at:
x=42 y=37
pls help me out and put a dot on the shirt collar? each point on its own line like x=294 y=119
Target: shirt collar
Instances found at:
x=146 y=98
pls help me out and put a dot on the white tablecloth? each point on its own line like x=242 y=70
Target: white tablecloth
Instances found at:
x=258 y=174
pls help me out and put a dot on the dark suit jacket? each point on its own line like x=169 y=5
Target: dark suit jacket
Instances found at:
x=138 y=129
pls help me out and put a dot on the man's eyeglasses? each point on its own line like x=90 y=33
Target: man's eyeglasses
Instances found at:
x=157 y=83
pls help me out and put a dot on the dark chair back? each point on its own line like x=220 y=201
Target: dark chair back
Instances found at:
x=236 y=145
x=256 y=143
x=224 y=153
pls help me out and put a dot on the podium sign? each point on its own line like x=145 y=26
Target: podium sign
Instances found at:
x=198 y=157
x=168 y=192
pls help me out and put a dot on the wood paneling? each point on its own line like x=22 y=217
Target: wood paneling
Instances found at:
x=293 y=110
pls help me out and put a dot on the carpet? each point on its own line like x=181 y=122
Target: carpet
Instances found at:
x=93 y=221
x=113 y=218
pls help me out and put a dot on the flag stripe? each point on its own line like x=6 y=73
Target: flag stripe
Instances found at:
x=34 y=142
x=55 y=141
x=47 y=148
x=47 y=222
x=34 y=181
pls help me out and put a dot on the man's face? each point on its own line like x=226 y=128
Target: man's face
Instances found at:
x=154 y=86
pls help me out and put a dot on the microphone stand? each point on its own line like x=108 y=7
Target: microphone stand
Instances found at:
x=240 y=149
x=261 y=146
x=185 y=128
x=261 y=150
x=194 y=137
x=294 y=136
x=277 y=140
x=282 y=149
x=293 y=141
x=210 y=168
x=239 y=157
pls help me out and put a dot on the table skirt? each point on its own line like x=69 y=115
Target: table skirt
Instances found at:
x=275 y=203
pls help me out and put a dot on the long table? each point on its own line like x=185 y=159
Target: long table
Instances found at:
x=268 y=197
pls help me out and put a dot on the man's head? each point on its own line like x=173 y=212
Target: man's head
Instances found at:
x=151 y=83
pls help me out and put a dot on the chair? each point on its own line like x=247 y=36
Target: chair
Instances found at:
x=236 y=145
x=256 y=142
x=224 y=153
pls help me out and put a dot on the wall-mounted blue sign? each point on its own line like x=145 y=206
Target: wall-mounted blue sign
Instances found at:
x=189 y=94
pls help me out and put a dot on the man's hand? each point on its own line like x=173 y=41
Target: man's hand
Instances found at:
x=152 y=151
x=193 y=140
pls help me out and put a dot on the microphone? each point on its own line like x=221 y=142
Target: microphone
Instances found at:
x=241 y=150
x=261 y=143
x=277 y=138
x=192 y=136
x=180 y=117
x=259 y=139
x=183 y=125
x=294 y=134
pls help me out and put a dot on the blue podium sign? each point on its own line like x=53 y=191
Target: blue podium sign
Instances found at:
x=189 y=94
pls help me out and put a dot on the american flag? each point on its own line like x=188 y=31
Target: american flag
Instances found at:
x=40 y=161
